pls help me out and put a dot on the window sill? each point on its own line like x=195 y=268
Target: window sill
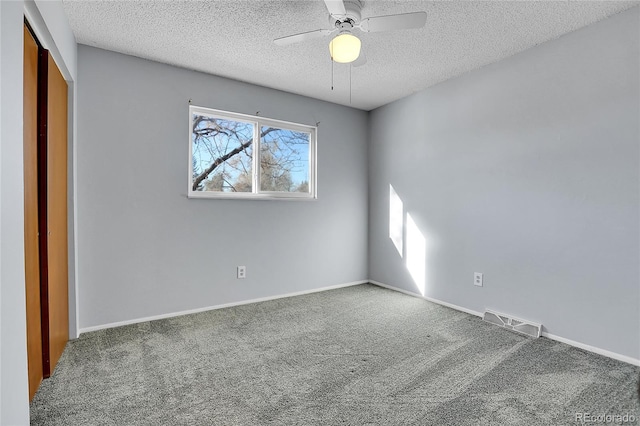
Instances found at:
x=249 y=196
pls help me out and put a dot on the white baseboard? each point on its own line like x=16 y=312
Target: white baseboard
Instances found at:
x=430 y=299
x=599 y=351
x=210 y=308
x=593 y=349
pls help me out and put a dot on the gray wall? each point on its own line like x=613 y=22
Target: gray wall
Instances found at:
x=526 y=170
x=144 y=249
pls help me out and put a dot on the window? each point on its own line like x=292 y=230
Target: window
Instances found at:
x=240 y=156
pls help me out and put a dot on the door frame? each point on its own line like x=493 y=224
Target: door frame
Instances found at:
x=58 y=44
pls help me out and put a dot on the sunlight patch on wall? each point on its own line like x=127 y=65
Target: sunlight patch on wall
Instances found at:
x=416 y=254
x=396 y=224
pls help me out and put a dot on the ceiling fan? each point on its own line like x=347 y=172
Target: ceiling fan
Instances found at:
x=345 y=17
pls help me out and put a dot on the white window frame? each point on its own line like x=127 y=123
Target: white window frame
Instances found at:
x=257 y=123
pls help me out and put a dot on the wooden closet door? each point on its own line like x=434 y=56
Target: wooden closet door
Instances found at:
x=31 y=247
x=45 y=120
x=57 y=263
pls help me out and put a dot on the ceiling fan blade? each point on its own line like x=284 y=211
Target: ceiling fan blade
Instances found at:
x=361 y=60
x=335 y=7
x=402 y=21
x=296 y=38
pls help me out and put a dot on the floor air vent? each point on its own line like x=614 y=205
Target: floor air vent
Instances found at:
x=521 y=326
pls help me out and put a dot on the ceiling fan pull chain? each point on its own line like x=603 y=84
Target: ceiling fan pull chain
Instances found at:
x=331 y=73
x=350 y=67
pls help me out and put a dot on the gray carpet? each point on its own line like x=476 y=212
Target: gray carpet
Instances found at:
x=360 y=355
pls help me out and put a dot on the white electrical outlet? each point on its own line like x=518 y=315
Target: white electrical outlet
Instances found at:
x=242 y=272
x=477 y=279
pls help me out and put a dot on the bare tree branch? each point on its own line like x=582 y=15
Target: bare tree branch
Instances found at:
x=202 y=176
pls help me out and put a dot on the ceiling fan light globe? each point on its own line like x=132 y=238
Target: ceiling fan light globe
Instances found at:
x=345 y=48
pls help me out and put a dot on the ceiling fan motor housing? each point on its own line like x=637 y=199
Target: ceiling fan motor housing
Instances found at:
x=353 y=8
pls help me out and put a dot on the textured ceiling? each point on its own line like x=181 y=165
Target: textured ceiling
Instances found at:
x=235 y=39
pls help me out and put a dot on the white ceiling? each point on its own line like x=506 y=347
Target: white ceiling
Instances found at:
x=235 y=39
